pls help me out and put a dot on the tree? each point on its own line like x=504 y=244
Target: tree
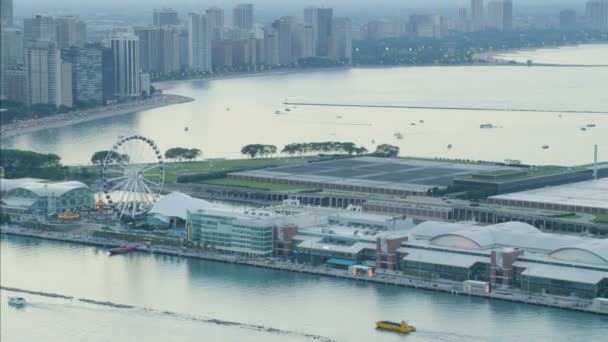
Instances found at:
x=99 y=156
x=254 y=150
x=386 y=150
x=192 y=153
x=176 y=153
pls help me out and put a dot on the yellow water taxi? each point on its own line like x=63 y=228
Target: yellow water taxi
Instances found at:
x=402 y=327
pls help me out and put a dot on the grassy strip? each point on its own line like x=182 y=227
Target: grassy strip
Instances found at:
x=257 y=185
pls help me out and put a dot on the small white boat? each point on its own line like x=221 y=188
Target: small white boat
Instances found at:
x=16 y=301
x=545 y=147
x=591 y=125
x=450 y=146
x=486 y=125
x=398 y=135
x=277 y=112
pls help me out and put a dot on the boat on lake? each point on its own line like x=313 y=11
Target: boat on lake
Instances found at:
x=486 y=125
x=16 y=301
x=123 y=249
x=401 y=327
x=545 y=147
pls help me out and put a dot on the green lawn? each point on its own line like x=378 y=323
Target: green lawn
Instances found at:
x=256 y=185
x=601 y=219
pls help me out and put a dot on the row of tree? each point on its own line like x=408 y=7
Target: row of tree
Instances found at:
x=327 y=147
x=181 y=153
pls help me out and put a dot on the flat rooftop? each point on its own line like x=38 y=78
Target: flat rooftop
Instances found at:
x=393 y=173
x=592 y=193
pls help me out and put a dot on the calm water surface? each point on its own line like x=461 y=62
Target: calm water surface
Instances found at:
x=339 y=309
x=230 y=113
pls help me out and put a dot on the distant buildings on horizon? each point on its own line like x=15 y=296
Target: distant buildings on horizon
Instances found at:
x=51 y=62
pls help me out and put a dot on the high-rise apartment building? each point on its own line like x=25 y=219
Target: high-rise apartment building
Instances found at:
x=242 y=16
x=39 y=28
x=71 y=31
x=271 y=45
x=596 y=12
x=282 y=27
x=500 y=15
x=309 y=46
x=199 y=42
x=463 y=23
x=164 y=17
x=16 y=84
x=168 y=49
x=43 y=67
x=11 y=53
x=6 y=13
x=215 y=15
x=125 y=52
x=87 y=73
x=148 y=38
x=477 y=15
x=341 y=39
x=310 y=19
x=183 y=48
x=324 y=26
x=107 y=73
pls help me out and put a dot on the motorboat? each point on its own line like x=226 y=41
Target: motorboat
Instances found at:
x=486 y=125
x=545 y=147
x=16 y=301
x=401 y=327
x=398 y=135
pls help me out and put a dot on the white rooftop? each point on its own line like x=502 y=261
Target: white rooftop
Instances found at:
x=434 y=257
x=561 y=273
x=593 y=193
x=176 y=204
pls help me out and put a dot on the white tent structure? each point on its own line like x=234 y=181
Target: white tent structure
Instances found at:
x=176 y=205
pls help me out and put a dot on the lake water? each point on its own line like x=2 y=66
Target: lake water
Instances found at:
x=230 y=113
x=337 y=309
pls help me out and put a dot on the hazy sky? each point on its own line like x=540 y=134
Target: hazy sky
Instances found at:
x=357 y=8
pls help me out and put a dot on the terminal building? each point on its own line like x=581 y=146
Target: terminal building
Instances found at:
x=511 y=254
x=25 y=198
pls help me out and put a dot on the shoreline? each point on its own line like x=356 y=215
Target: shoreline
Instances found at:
x=385 y=277
x=70 y=119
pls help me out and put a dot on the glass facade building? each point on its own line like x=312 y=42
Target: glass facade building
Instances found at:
x=87 y=82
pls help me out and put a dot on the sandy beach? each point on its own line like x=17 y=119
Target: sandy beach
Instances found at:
x=76 y=117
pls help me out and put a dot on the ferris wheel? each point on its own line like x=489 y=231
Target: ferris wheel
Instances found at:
x=133 y=174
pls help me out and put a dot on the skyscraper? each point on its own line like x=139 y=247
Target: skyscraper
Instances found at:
x=216 y=22
x=39 y=28
x=242 y=16
x=324 y=26
x=11 y=53
x=271 y=45
x=597 y=14
x=500 y=15
x=148 y=38
x=477 y=17
x=6 y=13
x=168 y=49
x=165 y=16
x=16 y=84
x=125 y=52
x=199 y=42
x=71 y=31
x=341 y=39
x=282 y=27
x=462 y=25
x=43 y=67
x=309 y=46
x=87 y=73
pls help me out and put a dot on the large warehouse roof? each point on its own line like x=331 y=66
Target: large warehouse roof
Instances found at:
x=50 y=189
x=10 y=184
x=592 y=193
